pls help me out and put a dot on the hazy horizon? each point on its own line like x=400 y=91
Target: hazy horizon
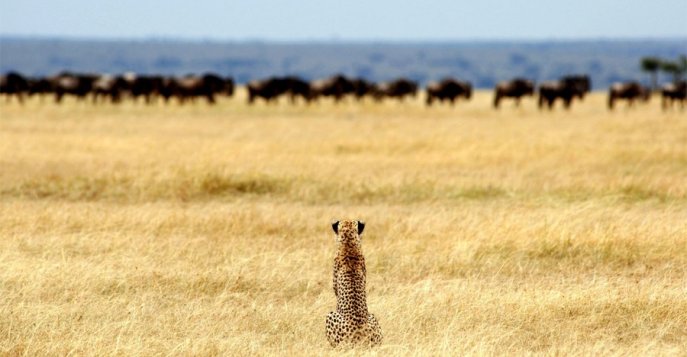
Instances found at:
x=341 y=40
x=482 y=63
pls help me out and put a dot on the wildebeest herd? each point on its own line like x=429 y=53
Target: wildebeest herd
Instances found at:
x=103 y=87
x=150 y=88
x=337 y=87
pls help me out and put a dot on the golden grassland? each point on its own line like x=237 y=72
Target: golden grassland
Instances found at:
x=199 y=230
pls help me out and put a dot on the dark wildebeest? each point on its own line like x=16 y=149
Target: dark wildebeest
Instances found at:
x=448 y=89
x=337 y=87
x=297 y=87
x=217 y=86
x=672 y=92
x=271 y=88
x=582 y=81
x=15 y=84
x=167 y=88
x=363 y=87
x=229 y=86
x=399 y=88
x=191 y=87
x=109 y=87
x=629 y=91
x=565 y=89
x=268 y=89
x=79 y=85
x=146 y=86
x=514 y=88
x=40 y=87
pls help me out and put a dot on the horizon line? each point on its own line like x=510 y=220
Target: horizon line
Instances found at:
x=338 y=40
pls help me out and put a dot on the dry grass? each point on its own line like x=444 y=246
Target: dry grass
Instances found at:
x=201 y=230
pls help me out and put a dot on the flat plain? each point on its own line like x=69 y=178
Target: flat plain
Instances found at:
x=205 y=230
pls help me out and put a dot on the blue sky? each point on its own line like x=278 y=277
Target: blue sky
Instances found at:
x=302 y=20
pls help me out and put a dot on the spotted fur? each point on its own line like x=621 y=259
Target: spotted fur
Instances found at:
x=351 y=323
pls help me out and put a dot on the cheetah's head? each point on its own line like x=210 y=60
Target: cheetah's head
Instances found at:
x=348 y=231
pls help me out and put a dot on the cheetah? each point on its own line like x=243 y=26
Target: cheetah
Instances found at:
x=351 y=323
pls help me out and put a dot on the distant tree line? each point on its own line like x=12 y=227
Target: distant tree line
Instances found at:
x=676 y=69
x=484 y=64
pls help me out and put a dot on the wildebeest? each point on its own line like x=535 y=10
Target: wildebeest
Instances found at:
x=190 y=87
x=229 y=86
x=582 y=81
x=399 y=88
x=187 y=88
x=40 y=87
x=629 y=91
x=336 y=87
x=217 y=85
x=109 y=86
x=514 y=88
x=15 y=84
x=566 y=89
x=267 y=89
x=363 y=87
x=448 y=89
x=146 y=86
x=270 y=89
x=673 y=92
x=297 y=87
x=79 y=85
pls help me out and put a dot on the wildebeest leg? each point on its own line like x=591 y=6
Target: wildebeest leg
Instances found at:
x=497 y=99
x=118 y=95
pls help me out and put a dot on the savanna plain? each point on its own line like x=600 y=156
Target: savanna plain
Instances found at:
x=205 y=230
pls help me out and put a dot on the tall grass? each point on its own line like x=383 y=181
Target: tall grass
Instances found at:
x=197 y=230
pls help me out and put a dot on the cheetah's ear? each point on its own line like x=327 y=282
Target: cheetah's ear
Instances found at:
x=335 y=227
x=361 y=226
